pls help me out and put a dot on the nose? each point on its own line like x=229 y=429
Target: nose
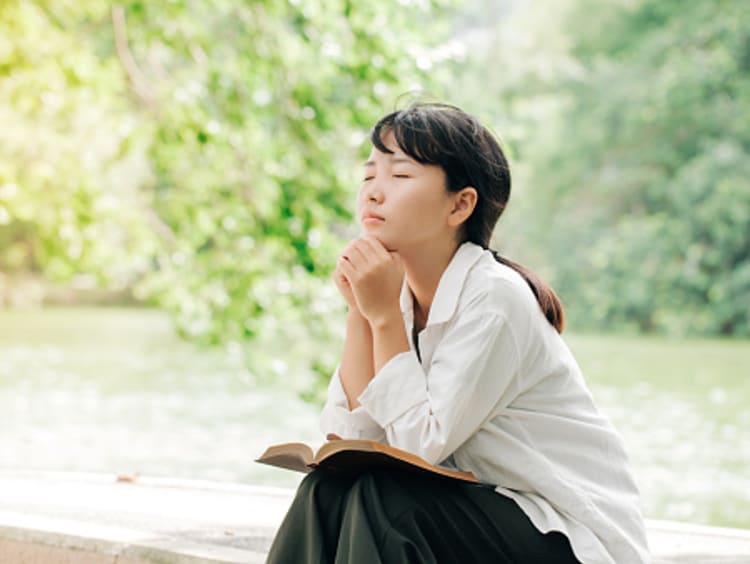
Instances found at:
x=372 y=192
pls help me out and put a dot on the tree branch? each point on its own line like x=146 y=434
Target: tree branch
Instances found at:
x=137 y=79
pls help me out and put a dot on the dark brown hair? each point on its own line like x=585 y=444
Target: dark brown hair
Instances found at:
x=444 y=135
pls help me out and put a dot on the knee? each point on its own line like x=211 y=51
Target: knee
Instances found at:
x=311 y=481
x=324 y=485
x=376 y=484
x=382 y=480
x=368 y=481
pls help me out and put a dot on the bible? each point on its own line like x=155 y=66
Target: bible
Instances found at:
x=354 y=456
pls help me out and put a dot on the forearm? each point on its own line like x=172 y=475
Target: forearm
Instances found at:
x=357 y=367
x=388 y=339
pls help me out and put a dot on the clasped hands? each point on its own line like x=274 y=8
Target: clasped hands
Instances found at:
x=369 y=278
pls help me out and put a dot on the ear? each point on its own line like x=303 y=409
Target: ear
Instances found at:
x=464 y=202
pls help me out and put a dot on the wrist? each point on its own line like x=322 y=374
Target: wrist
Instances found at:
x=387 y=320
x=355 y=320
x=355 y=316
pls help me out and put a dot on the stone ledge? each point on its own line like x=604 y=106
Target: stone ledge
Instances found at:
x=673 y=543
x=49 y=517
x=47 y=546
x=52 y=517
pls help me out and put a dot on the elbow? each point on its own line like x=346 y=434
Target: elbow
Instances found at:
x=427 y=441
x=435 y=448
x=355 y=424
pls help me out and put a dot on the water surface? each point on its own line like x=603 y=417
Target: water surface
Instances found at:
x=113 y=390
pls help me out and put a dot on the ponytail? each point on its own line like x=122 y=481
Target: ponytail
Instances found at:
x=549 y=302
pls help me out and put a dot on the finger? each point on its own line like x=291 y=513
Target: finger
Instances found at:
x=373 y=240
x=358 y=254
x=374 y=246
x=347 y=268
x=348 y=249
x=340 y=279
x=372 y=249
x=378 y=242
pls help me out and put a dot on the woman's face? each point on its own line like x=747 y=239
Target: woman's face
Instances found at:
x=402 y=202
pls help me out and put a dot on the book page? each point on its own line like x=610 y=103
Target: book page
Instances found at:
x=292 y=456
x=361 y=445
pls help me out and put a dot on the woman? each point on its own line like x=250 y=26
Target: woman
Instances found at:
x=454 y=353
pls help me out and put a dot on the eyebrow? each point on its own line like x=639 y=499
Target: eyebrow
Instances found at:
x=394 y=160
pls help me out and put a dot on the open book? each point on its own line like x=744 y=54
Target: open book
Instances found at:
x=353 y=456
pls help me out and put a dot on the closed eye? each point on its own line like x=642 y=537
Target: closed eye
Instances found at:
x=401 y=176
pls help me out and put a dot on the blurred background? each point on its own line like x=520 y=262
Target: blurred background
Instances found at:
x=177 y=178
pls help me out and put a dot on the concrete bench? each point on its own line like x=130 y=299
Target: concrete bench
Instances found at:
x=94 y=519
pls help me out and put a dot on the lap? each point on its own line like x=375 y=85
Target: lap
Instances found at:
x=450 y=520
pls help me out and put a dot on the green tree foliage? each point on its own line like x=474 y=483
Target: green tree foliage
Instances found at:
x=651 y=174
x=201 y=152
x=63 y=206
x=260 y=108
x=629 y=124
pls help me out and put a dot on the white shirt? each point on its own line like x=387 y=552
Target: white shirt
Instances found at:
x=498 y=393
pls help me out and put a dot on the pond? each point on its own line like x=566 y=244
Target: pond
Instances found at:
x=114 y=390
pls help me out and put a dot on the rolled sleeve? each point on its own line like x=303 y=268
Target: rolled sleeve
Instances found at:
x=337 y=418
x=397 y=388
x=432 y=410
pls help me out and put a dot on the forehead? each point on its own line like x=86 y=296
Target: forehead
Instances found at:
x=396 y=156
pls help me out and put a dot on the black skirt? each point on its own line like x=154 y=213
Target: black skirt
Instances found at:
x=386 y=517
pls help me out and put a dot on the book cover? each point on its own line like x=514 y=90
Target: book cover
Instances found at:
x=354 y=456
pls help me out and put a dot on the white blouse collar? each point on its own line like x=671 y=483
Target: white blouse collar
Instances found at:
x=450 y=285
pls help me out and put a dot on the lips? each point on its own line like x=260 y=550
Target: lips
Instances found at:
x=371 y=217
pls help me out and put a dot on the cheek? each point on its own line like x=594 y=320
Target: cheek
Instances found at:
x=359 y=199
x=427 y=205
